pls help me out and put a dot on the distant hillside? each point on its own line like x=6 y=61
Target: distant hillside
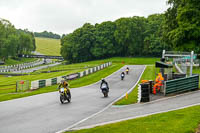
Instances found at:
x=48 y=46
x=47 y=34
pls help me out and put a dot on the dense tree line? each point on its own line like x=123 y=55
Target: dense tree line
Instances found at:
x=177 y=29
x=47 y=34
x=133 y=36
x=13 y=41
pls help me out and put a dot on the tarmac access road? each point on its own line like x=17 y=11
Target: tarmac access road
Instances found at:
x=44 y=113
x=120 y=113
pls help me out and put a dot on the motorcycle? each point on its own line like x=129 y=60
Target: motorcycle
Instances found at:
x=65 y=95
x=122 y=76
x=104 y=90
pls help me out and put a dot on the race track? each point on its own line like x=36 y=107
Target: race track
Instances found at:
x=44 y=114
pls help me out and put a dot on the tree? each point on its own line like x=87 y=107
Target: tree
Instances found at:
x=13 y=42
x=182 y=27
x=47 y=34
x=153 y=43
x=104 y=45
x=123 y=35
x=79 y=44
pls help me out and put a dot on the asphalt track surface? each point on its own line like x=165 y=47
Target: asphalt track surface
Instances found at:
x=45 y=114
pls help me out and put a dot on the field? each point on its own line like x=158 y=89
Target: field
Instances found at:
x=179 y=121
x=48 y=46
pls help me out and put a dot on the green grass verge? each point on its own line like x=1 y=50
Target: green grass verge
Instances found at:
x=48 y=46
x=179 y=121
x=7 y=84
x=149 y=74
x=74 y=83
x=134 y=60
x=10 y=61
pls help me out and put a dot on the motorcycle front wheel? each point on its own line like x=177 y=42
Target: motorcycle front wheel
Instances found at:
x=62 y=99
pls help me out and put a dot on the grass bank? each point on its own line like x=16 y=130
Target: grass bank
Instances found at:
x=48 y=46
x=179 y=121
x=10 y=61
x=134 y=60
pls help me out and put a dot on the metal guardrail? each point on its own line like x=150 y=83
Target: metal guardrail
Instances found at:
x=42 y=83
x=181 y=84
x=40 y=56
x=52 y=81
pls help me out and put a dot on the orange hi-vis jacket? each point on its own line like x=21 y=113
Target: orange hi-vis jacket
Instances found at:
x=159 y=79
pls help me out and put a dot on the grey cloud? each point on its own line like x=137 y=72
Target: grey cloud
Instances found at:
x=64 y=16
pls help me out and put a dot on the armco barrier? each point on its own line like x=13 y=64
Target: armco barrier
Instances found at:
x=59 y=79
x=48 y=82
x=35 y=84
x=17 y=67
x=53 y=81
x=81 y=74
x=181 y=84
x=42 y=83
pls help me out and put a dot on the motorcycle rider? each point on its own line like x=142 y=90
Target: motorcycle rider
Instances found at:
x=103 y=82
x=127 y=70
x=64 y=84
x=122 y=75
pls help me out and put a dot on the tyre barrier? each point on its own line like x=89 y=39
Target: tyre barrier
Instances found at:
x=143 y=93
x=53 y=81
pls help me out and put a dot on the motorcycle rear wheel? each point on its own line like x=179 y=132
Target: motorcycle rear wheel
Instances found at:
x=105 y=94
x=69 y=98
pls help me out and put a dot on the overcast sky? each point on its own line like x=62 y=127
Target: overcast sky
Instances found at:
x=64 y=16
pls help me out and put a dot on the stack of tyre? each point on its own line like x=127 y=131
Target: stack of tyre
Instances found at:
x=145 y=92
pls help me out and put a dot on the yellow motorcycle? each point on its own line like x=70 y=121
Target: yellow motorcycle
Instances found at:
x=65 y=95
